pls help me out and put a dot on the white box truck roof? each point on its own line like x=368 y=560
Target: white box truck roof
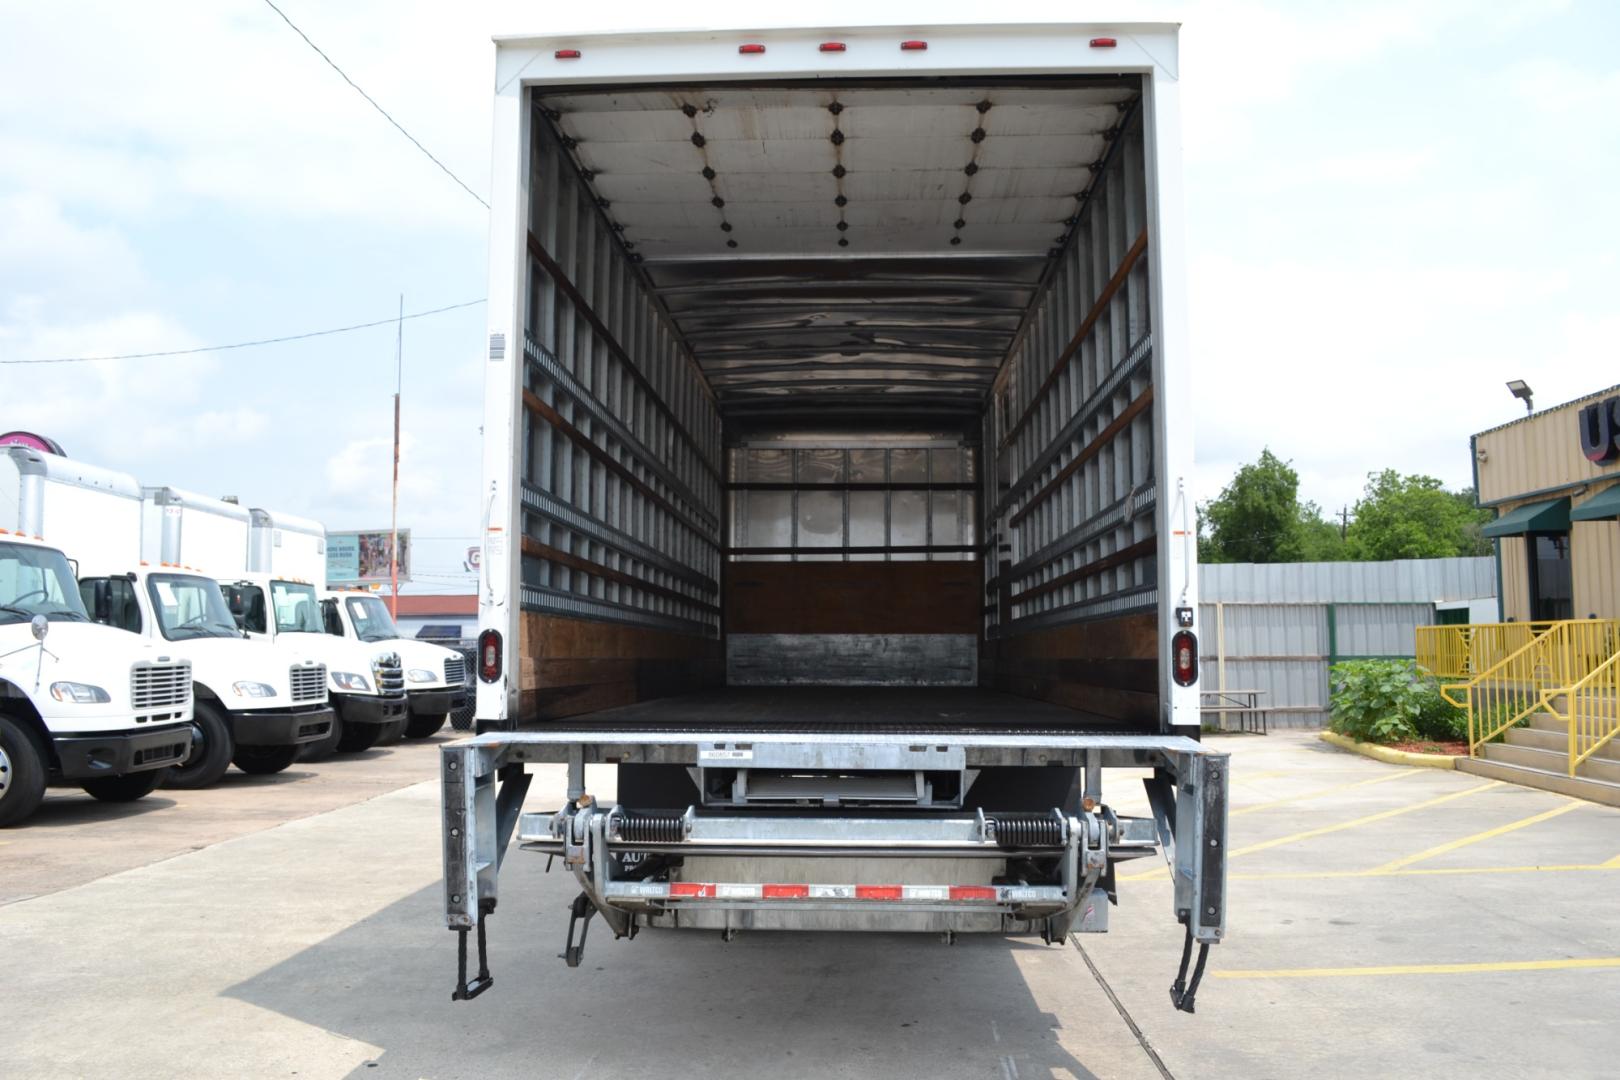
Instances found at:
x=287 y=546
x=207 y=534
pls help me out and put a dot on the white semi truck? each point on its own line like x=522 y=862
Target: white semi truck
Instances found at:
x=836 y=437
x=435 y=677
x=254 y=704
x=80 y=704
x=276 y=598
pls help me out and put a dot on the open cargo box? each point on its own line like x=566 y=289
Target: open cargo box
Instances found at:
x=829 y=407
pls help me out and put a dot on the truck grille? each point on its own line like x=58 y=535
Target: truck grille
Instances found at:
x=308 y=683
x=390 y=674
x=455 y=671
x=164 y=685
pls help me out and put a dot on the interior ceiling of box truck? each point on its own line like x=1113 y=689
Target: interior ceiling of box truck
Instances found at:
x=845 y=248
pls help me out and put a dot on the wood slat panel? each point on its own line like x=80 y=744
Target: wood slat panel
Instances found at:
x=1105 y=667
x=576 y=666
x=852 y=598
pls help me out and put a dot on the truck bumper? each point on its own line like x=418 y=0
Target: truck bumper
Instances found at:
x=366 y=709
x=115 y=753
x=282 y=727
x=438 y=701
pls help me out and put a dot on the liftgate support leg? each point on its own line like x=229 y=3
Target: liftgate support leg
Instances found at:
x=579 y=914
x=464 y=990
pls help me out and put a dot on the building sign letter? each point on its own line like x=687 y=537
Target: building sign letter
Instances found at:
x=1600 y=431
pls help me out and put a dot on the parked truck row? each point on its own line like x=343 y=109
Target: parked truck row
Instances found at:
x=151 y=635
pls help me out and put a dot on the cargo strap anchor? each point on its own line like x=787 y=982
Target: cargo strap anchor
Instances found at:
x=1183 y=992
x=464 y=990
x=579 y=914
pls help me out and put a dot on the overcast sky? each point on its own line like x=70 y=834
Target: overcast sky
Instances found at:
x=1393 y=208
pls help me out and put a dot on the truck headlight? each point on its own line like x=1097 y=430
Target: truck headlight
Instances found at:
x=253 y=689
x=348 y=680
x=417 y=674
x=79 y=693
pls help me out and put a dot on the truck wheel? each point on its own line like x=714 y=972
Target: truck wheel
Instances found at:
x=420 y=727
x=210 y=753
x=22 y=773
x=126 y=788
x=357 y=737
x=325 y=746
x=264 y=760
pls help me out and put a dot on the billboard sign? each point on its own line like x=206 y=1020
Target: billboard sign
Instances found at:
x=361 y=558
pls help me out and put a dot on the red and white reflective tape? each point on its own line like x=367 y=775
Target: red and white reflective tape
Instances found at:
x=931 y=894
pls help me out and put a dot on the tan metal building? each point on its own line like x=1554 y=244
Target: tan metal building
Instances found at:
x=1553 y=479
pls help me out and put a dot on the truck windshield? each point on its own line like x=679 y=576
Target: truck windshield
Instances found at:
x=190 y=607
x=297 y=610
x=37 y=581
x=371 y=619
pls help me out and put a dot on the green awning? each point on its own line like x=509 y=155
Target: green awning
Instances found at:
x=1600 y=507
x=1549 y=516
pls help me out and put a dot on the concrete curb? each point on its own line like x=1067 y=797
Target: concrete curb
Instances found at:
x=1388 y=754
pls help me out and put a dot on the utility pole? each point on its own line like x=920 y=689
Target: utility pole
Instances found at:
x=393 y=521
x=1344 y=522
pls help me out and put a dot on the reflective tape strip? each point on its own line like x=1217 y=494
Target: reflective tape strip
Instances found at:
x=921 y=894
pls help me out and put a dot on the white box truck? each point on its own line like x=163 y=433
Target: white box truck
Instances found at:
x=435 y=677
x=80 y=704
x=275 y=597
x=252 y=705
x=835 y=442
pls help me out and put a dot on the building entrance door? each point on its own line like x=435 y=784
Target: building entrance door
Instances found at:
x=1552 y=589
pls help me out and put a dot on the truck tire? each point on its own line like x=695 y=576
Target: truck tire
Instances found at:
x=211 y=750
x=420 y=727
x=325 y=746
x=264 y=760
x=22 y=773
x=126 y=788
x=357 y=737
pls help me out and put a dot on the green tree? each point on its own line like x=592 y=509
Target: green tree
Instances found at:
x=1412 y=517
x=1474 y=541
x=1256 y=517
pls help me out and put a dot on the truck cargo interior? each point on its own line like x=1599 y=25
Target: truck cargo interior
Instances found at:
x=838 y=407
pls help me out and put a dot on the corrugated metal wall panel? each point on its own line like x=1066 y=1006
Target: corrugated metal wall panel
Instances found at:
x=1399 y=581
x=1380 y=629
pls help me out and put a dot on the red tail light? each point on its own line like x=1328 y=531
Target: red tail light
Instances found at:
x=1184 y=658
x=1103 y=43
x=489 y=655
x=566 y=54
x=832 y=46
x=913 y=46
x=750 y=50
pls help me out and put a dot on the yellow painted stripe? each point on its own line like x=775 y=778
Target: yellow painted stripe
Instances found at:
x=1612 y=864
x=1568 y=964
x=1326 y=829
x=1500 y=830
x=1324 y=791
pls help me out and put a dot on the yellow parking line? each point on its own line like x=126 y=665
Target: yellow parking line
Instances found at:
x=1326 y=829
x=1426 y=969
x=1324 y=791
x=1612 y=864
x=1441 y=849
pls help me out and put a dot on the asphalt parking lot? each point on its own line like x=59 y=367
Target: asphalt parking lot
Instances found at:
x=1384 y=922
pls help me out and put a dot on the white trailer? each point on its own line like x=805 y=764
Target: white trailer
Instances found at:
x=80 y=704
x=435 y=677
x=277 y=598
x=837 y=427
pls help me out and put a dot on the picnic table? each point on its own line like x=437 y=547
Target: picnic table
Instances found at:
x=1242 y=704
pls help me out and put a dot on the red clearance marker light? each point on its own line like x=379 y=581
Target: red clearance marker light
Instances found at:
x=913 y=46
x=750 y=50
x=1103 y=43
x=832 y=46
x=566 y=54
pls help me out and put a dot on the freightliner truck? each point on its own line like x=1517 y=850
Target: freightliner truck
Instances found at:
x=80 y=704
x=836 y=438
x=254 y=704
x=435 y=677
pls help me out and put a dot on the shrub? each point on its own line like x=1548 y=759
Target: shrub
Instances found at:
x=1438 y=718
x=1379 y=701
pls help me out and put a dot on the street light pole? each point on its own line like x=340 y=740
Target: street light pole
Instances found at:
x=393 y=521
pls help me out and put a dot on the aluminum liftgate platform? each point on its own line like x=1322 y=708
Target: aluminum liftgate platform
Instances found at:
x=621 y=859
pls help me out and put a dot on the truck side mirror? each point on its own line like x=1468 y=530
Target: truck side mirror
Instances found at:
x=101 y=601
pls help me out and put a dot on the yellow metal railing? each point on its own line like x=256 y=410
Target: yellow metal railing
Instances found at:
x=1594 y=711
x=1462 y=650
x=1535 y=676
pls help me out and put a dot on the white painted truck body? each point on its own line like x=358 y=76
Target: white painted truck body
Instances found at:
x=266 y=696
x=275 y=596
x=836 y=440
x=95 y=704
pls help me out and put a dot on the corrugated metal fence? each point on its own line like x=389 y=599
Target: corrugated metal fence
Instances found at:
x=1276 y=628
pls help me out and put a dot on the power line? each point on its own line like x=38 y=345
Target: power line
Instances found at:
x=249 y=344
x=400 y=128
